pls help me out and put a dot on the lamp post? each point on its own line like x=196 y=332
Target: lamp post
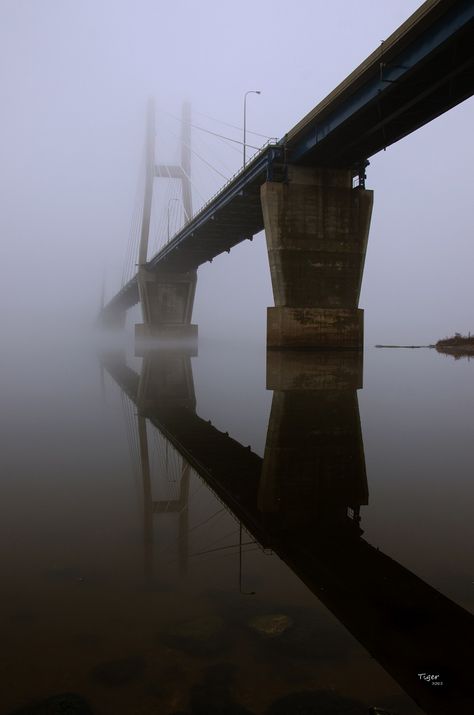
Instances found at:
x=169 y=201
x=250 y=91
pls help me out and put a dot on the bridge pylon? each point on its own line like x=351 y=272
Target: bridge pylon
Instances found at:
x=166 y=296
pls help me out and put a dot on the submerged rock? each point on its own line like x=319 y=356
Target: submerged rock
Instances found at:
x=271 y=625
x=309 y=636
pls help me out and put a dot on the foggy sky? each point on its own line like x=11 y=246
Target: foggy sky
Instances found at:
x=75 y=78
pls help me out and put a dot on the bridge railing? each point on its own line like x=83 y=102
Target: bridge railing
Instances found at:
x=240 y=172
x=268 y=144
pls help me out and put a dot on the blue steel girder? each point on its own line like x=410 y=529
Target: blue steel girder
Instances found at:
x=384 y=77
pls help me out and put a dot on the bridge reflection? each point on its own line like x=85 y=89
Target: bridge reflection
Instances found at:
x=303 y=501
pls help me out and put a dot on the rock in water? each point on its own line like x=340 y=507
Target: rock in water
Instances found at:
x=271 y=625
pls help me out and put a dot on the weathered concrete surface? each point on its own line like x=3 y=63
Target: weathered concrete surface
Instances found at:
x=167 y=301
x=315 y=328
x=316 y=226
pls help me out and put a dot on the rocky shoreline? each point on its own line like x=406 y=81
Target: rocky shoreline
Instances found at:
x=458 y=346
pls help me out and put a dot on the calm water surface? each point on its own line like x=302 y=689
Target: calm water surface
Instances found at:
x=235 y=532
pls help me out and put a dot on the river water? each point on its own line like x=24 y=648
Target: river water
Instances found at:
x=235 y=532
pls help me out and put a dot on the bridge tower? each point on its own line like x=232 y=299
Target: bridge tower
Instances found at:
x=166 y=297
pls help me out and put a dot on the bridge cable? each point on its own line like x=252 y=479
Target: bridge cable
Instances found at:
x=216 y=134
x=134 y=227
x=202 y=159
x=210 y=150
x=233 y=126
x=160 y=228
x=165 y=212
x=138 y=213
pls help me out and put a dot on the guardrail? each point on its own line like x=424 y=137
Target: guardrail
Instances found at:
x=268 y=144
x=240 y=172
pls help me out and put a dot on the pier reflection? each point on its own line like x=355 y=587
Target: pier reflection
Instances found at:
x=303 y=501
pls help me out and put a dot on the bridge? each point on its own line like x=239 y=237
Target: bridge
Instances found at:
x=307 y=191
x=302 y=501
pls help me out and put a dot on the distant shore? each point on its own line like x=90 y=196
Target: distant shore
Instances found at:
x=458 y=341
x=458 y=345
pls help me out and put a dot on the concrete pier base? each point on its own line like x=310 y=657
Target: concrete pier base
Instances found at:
x=315 y=328
x=167 y=301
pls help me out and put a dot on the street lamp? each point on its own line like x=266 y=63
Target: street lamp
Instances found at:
x=169 y=201
x=250 y=91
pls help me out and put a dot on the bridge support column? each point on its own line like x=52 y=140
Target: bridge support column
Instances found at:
x=167 y=304
x=316 y=227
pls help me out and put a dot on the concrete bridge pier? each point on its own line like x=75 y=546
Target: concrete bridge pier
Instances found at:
x=167 y=304
x=316 y=227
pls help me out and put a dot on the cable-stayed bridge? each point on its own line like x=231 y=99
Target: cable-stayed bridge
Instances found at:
x=306 y=190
